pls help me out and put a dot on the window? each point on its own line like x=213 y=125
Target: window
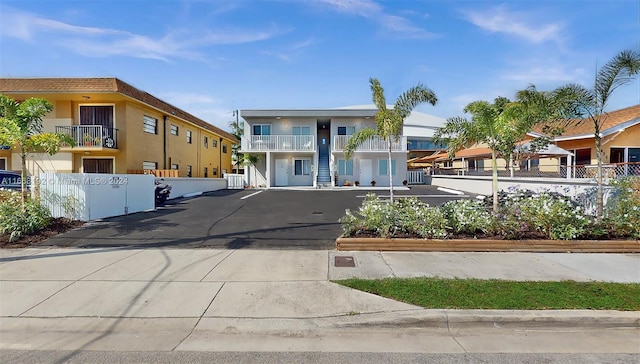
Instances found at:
x=262 y=129
x=346 y=130
x=150 y=125
x=476 y=165
x=382 y=167
x=206 y=172
x=174 y=129
x=189 y=136
x=206 y=142
x=174 y=166
x=214 y=171
x=302 y=167
x=149 y=165
x=301 y=130
x=582 y=157
x=3 y=164
x=188 y=171
x=345 y=167
x=224 y=148
x=214 y=143
x=97 y=115
x=97 y=165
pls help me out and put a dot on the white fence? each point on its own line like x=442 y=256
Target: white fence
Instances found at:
x=94 y=196
x=415 y=177
x=234 y=181
x=185 y=186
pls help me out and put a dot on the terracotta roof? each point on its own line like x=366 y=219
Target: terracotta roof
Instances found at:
x=66 y=85
x=611 y=120
x=473 y=152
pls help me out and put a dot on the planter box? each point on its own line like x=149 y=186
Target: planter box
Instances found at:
x=481 y=245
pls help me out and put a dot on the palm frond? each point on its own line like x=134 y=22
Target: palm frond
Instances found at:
x=358 y=138
x=617 y=72
x=413 y=97
x=378 y=94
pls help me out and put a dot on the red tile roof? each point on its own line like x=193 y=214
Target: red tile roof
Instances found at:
x=74 y=85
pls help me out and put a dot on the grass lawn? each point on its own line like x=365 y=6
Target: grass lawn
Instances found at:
x=498 y=294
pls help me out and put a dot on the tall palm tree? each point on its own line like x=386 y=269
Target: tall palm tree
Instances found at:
x=389 y=122
x=589 y=104
x=250 y=160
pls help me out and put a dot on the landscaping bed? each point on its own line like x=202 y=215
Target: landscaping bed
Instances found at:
x=55 y=227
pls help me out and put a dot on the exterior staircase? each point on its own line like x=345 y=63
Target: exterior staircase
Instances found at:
x=324 y=174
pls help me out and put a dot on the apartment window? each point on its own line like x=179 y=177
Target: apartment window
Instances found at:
x=174 y=166
x=206 y=172
x=383 y=167
x=301 y=130
x=224 y=148
x=96 y=115
x=3 y=164
x=346 y=130
x=150 y=125
x=206 y=142
x=149 y=165
x=214 y=171
x=188 y=171
x=214 y=143
x=189 y=136
x=345 y=167
x=302 y=167
x=262 y=129
x=174 y=129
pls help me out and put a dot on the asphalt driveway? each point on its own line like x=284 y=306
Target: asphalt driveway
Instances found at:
x=270 y=219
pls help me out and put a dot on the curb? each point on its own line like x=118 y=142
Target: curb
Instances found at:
x=459 y=319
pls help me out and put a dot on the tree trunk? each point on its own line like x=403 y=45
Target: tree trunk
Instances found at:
x=494 y=184
x=600 y=194
x=23 y=180
x=390 y=173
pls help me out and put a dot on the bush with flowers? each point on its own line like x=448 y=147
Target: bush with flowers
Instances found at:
x=521 y=215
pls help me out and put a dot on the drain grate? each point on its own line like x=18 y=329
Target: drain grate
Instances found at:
x=343 y=261
x=316 y=213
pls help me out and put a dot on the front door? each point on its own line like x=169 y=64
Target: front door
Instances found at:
x=365 y=172
x=282 y=172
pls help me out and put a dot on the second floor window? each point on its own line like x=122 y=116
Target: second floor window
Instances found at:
x=301 y=130
x=346 y=130
x=206 y=142
x=150 y=125
x=174 y=129
x=224 y=148
x=262 y=129
x=214 y=143
x=189 y=136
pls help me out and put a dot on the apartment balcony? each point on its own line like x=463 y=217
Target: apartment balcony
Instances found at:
x=372 y=145
x=278 y=143
x=90 y=137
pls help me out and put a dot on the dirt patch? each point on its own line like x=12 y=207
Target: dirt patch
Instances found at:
x=57 y=226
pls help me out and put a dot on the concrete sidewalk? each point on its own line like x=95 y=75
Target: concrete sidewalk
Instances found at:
x=172 y=299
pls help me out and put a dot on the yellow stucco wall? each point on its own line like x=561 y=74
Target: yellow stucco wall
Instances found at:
x=136 y=146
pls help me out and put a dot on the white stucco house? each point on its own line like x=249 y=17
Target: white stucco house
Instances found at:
x=299 y=147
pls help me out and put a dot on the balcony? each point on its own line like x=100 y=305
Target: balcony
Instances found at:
x=278 y=143
x=91 y=137
x=372 y=145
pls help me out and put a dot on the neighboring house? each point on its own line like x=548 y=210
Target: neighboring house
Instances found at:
x=119 y=129
x=419 y=129
x=572 y=154
x=306 y=148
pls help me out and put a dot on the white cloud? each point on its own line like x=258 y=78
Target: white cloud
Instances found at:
x=520 y=24
x=105 y=42
x=398 y=25
x=545 y=74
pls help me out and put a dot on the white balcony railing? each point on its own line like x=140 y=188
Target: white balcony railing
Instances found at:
x=278 y=143
x=372 y=145
x=93 y=136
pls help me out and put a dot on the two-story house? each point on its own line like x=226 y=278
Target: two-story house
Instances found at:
x=306 y=148
x=119 y=129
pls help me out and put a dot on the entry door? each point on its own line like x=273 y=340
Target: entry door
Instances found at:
x=365 y=171
x=282 y=172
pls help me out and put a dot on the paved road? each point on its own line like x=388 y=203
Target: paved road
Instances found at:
x=270 y=219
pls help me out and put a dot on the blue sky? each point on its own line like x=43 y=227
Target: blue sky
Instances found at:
x=212 y=57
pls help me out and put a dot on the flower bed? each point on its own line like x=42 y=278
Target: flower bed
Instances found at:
x=525 y=221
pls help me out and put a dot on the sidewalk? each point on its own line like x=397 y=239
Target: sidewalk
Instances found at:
x=164 y=299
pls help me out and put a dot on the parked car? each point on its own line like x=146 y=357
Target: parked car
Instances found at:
x=11 y=180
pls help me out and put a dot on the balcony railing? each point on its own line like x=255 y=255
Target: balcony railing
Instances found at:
x=91 y=136
x=372 y=145
x=278 y=143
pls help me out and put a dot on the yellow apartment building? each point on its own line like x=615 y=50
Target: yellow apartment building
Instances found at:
x=119 y=129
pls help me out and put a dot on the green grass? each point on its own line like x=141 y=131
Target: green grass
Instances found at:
x=498 y=294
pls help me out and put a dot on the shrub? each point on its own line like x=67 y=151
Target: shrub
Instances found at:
x=15 y=222
x=404 y=217
x=466 y=216
x=622 y=213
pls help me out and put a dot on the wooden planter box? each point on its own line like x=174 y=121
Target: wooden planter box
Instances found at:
x=481 y=245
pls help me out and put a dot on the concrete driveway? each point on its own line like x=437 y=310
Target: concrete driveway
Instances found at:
x=270 y=219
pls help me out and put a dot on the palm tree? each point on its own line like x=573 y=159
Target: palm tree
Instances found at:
x=21 y=127
x=590 y=104
x=389 y=122
x=250 y=160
